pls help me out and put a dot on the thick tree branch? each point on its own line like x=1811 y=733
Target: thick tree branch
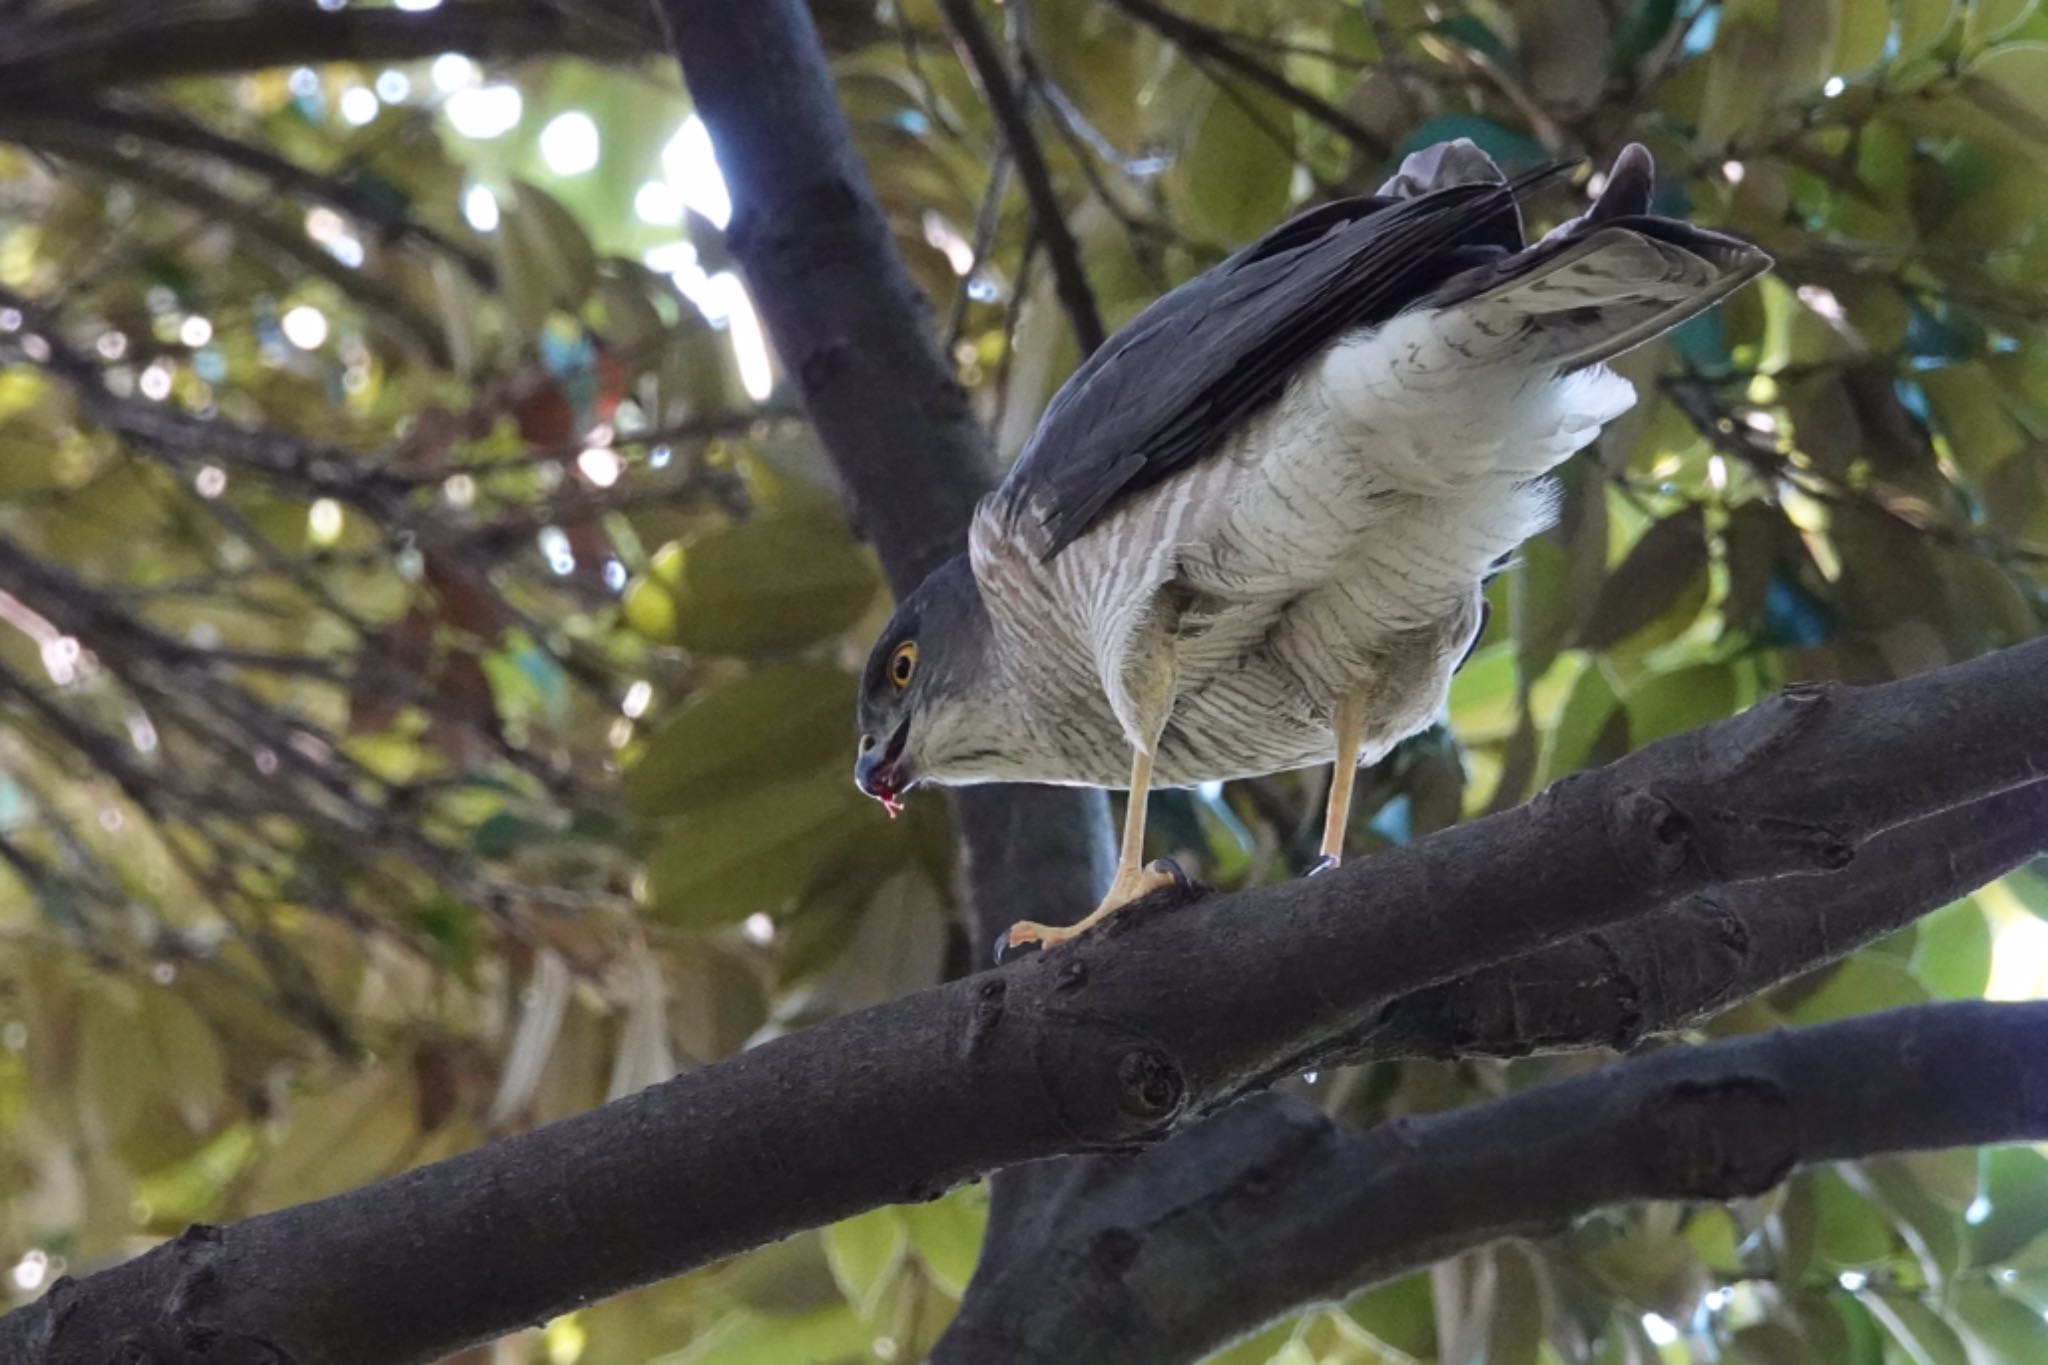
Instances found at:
x=1167 y=1014
x=1707 y=1123
x=119 y=44
x=1716 y=948
x=1070 y=280
x=1601 y=989
x=854 y=330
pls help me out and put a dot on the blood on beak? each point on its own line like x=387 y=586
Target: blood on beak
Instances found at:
x=878 y=771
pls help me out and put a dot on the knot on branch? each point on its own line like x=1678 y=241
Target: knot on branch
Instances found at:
x=983 y=1018
x=1149 y=1086
x=1653 y=837
x=1720 y=1139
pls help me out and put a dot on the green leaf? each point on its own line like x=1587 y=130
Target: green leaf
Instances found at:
x=1922 y=24
x=1848 y=1233
x=1769 y=1343
x=1953 y=957
x=1667 y=564
x=2015 y=1192
x=1998 y=1330
x=1267 y=1346
x=1839 y=1329
x=755 y=852
x=1539 y=607
x=1400 y=1314
x=1741 y=66
x=947 y=1234
x=777 y=721
x=113 y=1073
x=1932 y=1228
x=1865 y=26
x=2011 y=84
x=344 y=1136
x=1918 y=1329
x=770 y=585
x=1585 y=714
x=545 y=261
x=1970 y=410
x=1671 y=703
x=1989 y=20
x=1232 y=177
x=1863 y=984
x=1714 y=1238
x=828 y=1336
x=1514 y=1329
x=865 y=1253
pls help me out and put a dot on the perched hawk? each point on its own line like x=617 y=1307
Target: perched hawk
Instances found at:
x=1250 y=533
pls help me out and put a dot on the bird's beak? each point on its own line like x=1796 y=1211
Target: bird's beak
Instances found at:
x=881 y=772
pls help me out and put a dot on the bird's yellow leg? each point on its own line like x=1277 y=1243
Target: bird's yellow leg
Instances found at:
x=1133 y=879
x=1350 y=727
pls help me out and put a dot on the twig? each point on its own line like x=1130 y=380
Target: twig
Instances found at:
x=1198 y=39
x=1062 y=251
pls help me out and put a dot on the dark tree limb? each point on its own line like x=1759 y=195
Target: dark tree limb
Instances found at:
x=91 y=47
x=1609 y=989
x=1109 y=1043
x=1070 y=280
x=1708 y=1123
x=854 y=330
x=1717 y=948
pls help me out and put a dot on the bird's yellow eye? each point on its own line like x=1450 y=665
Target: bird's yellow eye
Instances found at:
x=902 y=664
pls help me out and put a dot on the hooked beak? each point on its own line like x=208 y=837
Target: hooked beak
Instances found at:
x=882 y=774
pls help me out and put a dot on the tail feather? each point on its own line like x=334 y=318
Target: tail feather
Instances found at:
x=1609 y=280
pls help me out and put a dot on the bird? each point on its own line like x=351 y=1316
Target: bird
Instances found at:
x=1251 y=532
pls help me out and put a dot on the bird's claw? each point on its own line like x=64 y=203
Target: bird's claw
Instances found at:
x=1015 y=939
x=1155 y=876
x=1323 y=864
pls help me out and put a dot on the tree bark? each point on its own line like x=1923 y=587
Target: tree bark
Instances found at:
x=1109 y=1043
x=1706 y=1123
x=1602 y=989
x=116 y=44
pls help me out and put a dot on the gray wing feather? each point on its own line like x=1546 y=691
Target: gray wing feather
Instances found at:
x=1163 y=392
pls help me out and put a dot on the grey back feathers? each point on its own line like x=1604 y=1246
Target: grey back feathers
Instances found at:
x=1444 y=231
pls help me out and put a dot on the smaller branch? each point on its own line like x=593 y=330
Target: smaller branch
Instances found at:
x=71 y=53
x=290 y=252
x=1720 y=1122
x=1012 y=116
x=1200 y=40
x=119 y=118
x=1711 y=950
x=986 y=219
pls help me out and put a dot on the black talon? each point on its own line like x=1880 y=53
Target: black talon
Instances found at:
x=1173 y=870
x=1004 y=948
x=1320 y=866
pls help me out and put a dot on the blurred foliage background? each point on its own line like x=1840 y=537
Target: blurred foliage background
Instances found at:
x=426 y=633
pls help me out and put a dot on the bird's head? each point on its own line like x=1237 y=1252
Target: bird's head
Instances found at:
x=924 y=685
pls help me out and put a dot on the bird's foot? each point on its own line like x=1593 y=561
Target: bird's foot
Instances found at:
x=1323 y=864
x=1133 y=885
